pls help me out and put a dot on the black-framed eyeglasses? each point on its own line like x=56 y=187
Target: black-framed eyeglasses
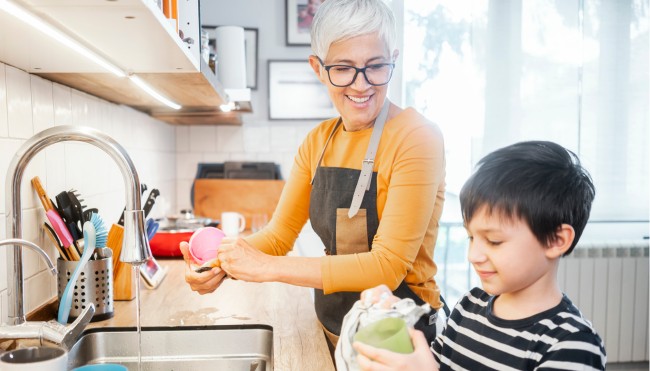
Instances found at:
x=342 y=75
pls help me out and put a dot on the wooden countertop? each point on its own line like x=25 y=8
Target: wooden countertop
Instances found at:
x=298 y=340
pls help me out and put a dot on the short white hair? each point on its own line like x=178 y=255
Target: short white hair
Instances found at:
x=338 y=20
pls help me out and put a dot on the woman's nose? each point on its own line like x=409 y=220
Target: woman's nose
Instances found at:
x=360 y=83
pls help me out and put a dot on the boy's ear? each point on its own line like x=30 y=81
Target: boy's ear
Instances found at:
x=562 y=242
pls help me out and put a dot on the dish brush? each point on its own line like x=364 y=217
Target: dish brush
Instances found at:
x=95 y=235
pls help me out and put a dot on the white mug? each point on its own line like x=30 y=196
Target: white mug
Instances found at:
x=35 y=359
x=232 y=223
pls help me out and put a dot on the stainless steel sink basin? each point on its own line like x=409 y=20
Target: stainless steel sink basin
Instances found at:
x=236 y=347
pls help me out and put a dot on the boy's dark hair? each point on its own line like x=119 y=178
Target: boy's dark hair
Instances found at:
x=541 y=183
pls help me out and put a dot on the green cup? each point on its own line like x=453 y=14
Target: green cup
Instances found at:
x=387 y=333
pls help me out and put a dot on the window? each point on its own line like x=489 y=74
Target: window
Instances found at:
x=491 y=73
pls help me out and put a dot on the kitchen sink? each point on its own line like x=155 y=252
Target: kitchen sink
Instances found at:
x=231 y=347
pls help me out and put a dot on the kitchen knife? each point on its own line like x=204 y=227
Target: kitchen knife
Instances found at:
x=151 y=200
x=143 y=187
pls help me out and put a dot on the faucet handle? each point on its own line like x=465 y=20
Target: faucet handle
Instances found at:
x=67 y=335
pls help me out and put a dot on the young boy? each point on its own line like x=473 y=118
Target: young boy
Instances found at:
x=525 y=206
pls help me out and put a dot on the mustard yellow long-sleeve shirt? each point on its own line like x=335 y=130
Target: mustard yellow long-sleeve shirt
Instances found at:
x=410 y=194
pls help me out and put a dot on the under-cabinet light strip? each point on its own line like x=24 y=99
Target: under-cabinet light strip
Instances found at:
x=153 y=93
x=59 y=36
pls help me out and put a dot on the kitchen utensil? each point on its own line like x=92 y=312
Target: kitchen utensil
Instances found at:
x=204 y=244
x=64 y=207
x=55 y=240
x=55 y=220
x=152 y=227
x=35 y=359
x=94 y=235
x=232 y=223
x=77 y=207
x=388 y=333
x=175 y=229
x=151 y=200
x=95 y=288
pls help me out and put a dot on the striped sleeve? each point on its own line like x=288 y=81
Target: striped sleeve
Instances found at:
x=580 y=350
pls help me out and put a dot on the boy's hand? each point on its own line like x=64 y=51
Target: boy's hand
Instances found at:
x=376 y=359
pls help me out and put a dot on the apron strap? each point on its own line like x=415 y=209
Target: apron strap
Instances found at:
x=320 y=159
x=369 y=161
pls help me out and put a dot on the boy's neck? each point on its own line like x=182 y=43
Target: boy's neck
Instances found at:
x=539 y=297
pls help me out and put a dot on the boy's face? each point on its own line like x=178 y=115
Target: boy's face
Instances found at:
x=506 y=255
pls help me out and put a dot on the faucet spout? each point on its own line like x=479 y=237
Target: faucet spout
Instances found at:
x=135 y=248
x=33 y=247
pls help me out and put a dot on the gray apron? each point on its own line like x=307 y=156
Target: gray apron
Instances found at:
x=331 y=201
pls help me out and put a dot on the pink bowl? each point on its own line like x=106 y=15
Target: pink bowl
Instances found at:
x=204 y=244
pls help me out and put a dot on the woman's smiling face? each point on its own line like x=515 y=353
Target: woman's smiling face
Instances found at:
x=358 y=104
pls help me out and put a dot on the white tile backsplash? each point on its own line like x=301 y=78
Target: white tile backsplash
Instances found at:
x=283 y=139
x=19 y=103
x=42 y=103
x=229 y=139
x=182 y=139
x=186 y=165
x=4 y=126
x=256 y=139
x=203 y=139
x=29 y=104
x=62 y=100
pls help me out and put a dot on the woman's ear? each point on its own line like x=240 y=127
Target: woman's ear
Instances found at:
x=315 y=65
x=395 y=55
x=562 y=241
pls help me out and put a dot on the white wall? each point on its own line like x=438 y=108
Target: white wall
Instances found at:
x=30 y=104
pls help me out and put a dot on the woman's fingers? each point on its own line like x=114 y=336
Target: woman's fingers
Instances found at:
x=380 y=294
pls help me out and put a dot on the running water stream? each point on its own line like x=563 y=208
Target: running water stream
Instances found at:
x=136 y=273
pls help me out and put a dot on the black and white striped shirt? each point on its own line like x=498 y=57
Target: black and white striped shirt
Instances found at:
x=556 y=339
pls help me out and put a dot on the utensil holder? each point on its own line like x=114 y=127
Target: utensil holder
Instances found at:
x=94 y=285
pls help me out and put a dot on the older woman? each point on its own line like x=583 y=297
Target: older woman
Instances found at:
x=371 y=181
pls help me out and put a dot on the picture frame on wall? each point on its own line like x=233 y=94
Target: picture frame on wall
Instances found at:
x=299 y=15
x=251 y=52
x=295 y=93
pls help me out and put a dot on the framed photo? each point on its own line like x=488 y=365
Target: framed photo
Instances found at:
x=251 y=52
x=295 y=93
x=299 y=14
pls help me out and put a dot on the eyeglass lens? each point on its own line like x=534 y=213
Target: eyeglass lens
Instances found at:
x=375 y=74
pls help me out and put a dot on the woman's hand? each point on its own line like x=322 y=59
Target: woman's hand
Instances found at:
x=376 y=359
x=380 y=294
x=244 y=262
x=203 y=283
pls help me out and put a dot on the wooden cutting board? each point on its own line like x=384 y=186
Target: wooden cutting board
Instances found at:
x=245 y=196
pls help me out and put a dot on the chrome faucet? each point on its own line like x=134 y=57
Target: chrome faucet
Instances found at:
x=65 y=335
x=135 y=248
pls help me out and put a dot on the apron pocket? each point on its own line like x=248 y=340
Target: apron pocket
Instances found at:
x=351 y=233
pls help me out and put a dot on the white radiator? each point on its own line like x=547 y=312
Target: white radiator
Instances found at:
x=609 y=283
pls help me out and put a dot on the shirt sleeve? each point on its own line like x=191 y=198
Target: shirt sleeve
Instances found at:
x=580 y=350
x=415 y=176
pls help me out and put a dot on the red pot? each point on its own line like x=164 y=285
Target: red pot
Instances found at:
x=164 y=244
x=174 y=230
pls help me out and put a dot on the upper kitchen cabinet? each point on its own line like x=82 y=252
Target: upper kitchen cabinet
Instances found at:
x=132 y=35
